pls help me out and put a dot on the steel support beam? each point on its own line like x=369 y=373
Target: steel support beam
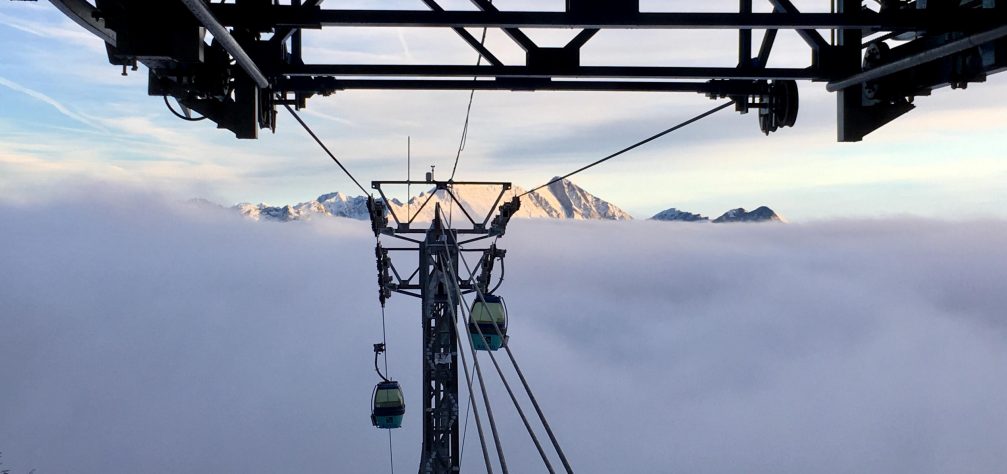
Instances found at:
x=812 y=37
x=903 y=20
x=768 y=40
x=468 y=38
x=281 y=34
x=328 y=85
x=582 y=72
x=513 y=32
x=745 y=37
x=582 y=38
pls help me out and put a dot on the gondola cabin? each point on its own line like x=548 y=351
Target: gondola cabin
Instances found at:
x=388 y=406
x=486 y=317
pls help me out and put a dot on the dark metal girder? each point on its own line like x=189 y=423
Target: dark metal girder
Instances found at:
x=329 y=85
x=582 y=72
x=581 y=39
x=812 y=37
x=768 y=40
x=745 y=37
x=909 y=20
x=468 y=38
x=515 y=34
x=281 y=34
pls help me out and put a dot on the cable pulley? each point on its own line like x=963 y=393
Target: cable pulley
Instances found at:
x=779 y=106
x=384 y=263
x=378 y=213
x=507 y=210
x=486 y=263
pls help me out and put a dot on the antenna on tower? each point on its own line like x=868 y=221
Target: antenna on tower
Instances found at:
x=409 y=174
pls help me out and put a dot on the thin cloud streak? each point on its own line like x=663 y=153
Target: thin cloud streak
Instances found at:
x=52 y=102
x=405 y=44
x=69 y=33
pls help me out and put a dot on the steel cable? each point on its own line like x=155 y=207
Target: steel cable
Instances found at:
x=524 y=382
x=446 y=272
x=465 y=428
x=319 y=142
x=636 y=145
x=384 y=340
x=475 y=412
x=468 y=113
x=503 y=378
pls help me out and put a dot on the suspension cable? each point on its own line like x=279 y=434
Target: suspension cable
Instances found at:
x=637 y=145
x=391 y=452
x=384 y=341
x=465 y=428
x=468 y=112
x=496 y=327
x=319 y=142
x=503 y=378
x=445 y=273
x=475 y=411
x=465 y=128
x=524 y=382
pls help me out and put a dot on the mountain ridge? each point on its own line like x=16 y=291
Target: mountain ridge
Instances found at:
x=760 y=214
x=561 y=199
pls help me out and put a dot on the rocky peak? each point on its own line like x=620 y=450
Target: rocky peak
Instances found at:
x=677 y=215
x=761 y=214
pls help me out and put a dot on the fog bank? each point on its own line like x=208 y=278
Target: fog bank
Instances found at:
x=138 y=334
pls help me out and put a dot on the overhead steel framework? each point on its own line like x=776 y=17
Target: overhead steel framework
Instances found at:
x=878 y=59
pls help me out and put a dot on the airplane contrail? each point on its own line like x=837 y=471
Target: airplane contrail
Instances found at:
x=52 y=102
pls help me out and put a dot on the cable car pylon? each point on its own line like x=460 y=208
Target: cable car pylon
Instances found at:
x=438 y=252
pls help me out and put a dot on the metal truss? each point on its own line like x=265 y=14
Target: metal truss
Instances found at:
x=881 y=58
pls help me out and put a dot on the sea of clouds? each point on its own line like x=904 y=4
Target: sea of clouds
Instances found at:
x=142 y=334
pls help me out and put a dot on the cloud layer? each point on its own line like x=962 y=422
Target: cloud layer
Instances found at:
x=139 y=335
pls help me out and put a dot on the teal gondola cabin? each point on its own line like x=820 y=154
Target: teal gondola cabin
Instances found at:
x=487 y=316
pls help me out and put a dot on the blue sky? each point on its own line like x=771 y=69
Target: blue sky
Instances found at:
x=67 y=116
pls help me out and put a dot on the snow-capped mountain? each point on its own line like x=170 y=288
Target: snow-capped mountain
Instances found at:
x=762 y=214
x=681 y=216
x=560 y=200
x=334 y=204
x=565 y=200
